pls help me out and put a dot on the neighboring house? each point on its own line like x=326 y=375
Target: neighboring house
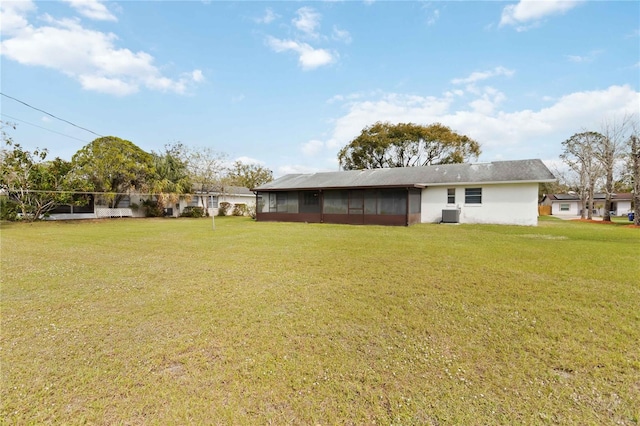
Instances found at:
x=570 y=204
x=502 y=192
x=131 y=205
x=233 y=195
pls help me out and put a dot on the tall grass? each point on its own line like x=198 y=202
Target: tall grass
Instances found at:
x=160 y=321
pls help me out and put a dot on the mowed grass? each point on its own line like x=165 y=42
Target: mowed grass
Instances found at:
x=166 y=321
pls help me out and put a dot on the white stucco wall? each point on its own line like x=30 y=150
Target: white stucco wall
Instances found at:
x=623 y=207
x=574 y=208
x=508 y=204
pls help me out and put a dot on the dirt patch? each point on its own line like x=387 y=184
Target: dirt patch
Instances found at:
x=631 y=225
x=594 y=221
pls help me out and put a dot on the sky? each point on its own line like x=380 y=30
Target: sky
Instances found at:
x=287 y=84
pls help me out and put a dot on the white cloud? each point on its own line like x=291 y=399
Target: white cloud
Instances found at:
x=307 y=21
x=307 y=24
x=13 y=15
x=268 y=17
x=249 y=160
x=431 y=20
x=197 y=76
x=503 y=134
x=91 y=57
x=92 y=9
x=584 y=58
x=341 y=35
x=296 y=169
x=308 y=57
x=528 y=13
x=108 y=85
x=488 y=101
x=237 y=98
x=391 y=107
x=483 y=75
x=312 y=147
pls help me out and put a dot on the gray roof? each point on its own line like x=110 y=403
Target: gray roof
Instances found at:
x=237 y=190
x=445 y=174
x=596 y=196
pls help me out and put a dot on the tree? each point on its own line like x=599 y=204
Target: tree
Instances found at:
x=634 y=153
x=206 y=171
x=248 y=175
x=561 y=185
x=114 y=166
x=579 y=155
x=171 y=177
x=406 y=144
x=35 y=185
x=609 y=151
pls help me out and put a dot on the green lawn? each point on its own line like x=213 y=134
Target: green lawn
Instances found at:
x=166 y=321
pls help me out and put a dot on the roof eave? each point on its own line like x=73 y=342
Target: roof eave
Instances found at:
x=324 y=188
x=498 y=182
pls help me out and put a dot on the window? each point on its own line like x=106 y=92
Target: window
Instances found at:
x=415 y=199
x=392 y=201
x=195 y=201
x=213 y=202
x=336 y=202
x=473 y=195
x=311 y=199
x=281 y=202
x=564 y=207
x=451 y=196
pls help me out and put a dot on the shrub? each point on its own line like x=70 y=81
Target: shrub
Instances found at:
x=223 y=208
x=192 y=211
x=8 y=209
x=240 y=209
x=152 y=208
x=251 y=211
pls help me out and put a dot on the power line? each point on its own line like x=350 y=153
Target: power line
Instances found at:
x=58 y=191
x=51 y=115
x=44 y=128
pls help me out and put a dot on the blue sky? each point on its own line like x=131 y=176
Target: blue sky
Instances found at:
x=287 y=84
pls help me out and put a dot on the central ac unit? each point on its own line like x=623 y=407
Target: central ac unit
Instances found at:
x=451 y=216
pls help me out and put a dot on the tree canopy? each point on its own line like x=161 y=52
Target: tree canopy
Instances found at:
x=406 y=144
x=580 y=155
x=171 y=174
x=35 y=185
x=113 y=165
x=249 y=175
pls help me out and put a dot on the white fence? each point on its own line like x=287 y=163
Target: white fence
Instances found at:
x=107 y=212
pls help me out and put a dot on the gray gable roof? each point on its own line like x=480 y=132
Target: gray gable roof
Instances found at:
x=445 y=174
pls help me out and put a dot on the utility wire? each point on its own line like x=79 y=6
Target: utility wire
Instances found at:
x=51 y=115
x=44 y=128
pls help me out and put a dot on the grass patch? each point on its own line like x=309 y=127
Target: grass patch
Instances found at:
x=167 y=321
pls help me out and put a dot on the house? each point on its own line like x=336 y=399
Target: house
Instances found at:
x=570 y=204
x=501 y=192
x=131 y=205
x=233 y=195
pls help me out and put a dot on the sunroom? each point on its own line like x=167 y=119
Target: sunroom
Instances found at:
x=370 y=206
